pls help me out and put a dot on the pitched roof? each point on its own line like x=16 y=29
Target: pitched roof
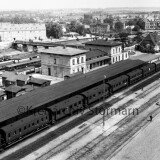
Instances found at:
x=12 y=76
x=22 y=77
x=153 y=37
x=37 y=81
x=104 y=43
x=14 y=89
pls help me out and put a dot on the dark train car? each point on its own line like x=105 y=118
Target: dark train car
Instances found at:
x=24 y=64
x=135 y=76
x=118 y=83
x=66 y=107
x=20 y=128
x=97 y=93
x=4 y=64
x=148 y=69
x=157 y=63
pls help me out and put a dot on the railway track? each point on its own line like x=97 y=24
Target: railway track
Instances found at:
x=61 y=147
x=35 y=145
x=111 y=143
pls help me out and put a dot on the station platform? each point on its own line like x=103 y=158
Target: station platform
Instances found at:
x=145 y=145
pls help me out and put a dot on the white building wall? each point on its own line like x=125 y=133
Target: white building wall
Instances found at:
x=10 y=31
x=64 y=64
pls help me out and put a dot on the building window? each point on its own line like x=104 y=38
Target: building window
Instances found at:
x=73 y=61
x=82 y=59
x=49 y=71
x=55 y=61
x=77 y=60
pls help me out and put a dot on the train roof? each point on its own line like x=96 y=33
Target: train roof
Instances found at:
x=42 y=96
x=24 y=62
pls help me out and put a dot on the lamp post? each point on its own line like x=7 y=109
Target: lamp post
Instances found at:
x=104 y=100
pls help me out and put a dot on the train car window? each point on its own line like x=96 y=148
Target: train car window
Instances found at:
x=37 y=121
x=46 y=117
x=25 y=127
x=19 y=129
x=99 y=92
x=32 y=124
x=94 y=95
x=15 y=132
x=42 y=119
x=79 y=102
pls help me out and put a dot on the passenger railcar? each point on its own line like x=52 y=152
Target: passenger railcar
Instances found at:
x=148 y=69
x=22 y=127
x=118 y=83
x=20 y=65
x=157 y=63
x=67 y=97
x=135 y=76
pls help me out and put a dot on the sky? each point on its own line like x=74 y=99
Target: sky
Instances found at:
x=56 y=4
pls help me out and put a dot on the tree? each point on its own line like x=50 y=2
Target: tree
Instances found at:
x=136 y=28
x=123 y=36
x=109 y=21
x=54 y=30
x=80 y=29
x=72 y=26
x=131 y=23
x=119 y=26
x=76 y=27
x=128 y=30
x=140 y=23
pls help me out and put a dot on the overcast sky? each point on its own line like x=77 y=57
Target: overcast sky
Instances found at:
x=53 y=4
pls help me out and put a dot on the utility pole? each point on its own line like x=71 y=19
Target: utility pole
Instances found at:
x=104 y=88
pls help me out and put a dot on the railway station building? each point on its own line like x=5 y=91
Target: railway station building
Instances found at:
x=60 y=61
x=112 y=48
x=96 y=59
